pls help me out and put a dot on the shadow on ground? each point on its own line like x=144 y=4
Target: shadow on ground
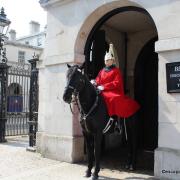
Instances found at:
x=115 y=159
x=17 y=141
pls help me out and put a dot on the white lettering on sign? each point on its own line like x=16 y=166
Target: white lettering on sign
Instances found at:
x=174 y=75
x=177 y=68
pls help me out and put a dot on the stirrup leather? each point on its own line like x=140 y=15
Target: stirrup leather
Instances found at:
x=118 y=127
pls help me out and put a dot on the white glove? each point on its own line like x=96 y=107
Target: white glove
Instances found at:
x=101 y=88
x=93 y=82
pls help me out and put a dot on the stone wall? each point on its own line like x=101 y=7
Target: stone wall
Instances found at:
x=67 y=32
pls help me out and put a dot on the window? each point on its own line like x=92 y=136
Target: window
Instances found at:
x=39 y=41
x=21 y=57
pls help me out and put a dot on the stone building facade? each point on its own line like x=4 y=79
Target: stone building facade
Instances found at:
x=23 y=48
x=36 y=37
x=146 y=36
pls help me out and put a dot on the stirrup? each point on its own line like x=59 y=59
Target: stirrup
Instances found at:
x=118 y=127
x=108 y=125
x=111 y=119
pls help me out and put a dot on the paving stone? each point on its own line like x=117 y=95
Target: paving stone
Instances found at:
x=18 y=164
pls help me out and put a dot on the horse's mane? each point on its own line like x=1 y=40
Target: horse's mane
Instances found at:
x=73 y=69
x=89 y=83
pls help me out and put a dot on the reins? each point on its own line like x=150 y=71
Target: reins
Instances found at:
x=76 y=103
x=85 y=115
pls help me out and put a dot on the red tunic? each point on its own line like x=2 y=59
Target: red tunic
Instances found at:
x=117 y=102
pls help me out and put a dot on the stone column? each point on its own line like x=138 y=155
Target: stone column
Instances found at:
x=167 y=155
x=59 y=133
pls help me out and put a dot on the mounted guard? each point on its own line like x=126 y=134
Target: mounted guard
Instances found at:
x=110 y=82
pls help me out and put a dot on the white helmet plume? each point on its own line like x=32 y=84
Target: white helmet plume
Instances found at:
x=110 y=54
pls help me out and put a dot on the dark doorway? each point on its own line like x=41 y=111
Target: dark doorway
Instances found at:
x=146 y=93
x=96 y=53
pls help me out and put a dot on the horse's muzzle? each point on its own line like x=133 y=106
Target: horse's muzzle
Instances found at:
x=67 y=97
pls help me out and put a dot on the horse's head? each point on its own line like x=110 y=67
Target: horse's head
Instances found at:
x=75 y=82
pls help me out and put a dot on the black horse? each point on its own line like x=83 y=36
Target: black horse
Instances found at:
x=95 y=119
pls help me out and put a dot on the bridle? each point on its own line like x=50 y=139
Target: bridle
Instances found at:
x=74 y=92
x=84 y=115
x=76 y=100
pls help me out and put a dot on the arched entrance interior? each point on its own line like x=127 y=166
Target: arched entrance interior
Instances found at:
x=146 y=93
x=129 y=29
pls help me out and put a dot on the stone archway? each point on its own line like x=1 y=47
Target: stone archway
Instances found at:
x=85 y=35
x=96 y=19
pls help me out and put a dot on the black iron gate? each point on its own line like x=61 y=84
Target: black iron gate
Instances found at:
x=18 y=99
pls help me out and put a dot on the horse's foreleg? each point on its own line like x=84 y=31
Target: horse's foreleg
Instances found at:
x=90 y=153
x=97 y=144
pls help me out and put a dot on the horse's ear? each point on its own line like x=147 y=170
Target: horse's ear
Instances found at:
x=82 y=66
x=68 y=65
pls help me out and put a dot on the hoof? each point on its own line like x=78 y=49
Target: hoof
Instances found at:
x=130 y=167
x=88 y=174
x=94 y=177
x=127 y=166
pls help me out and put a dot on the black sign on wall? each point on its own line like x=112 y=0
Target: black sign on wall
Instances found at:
x=173 y=77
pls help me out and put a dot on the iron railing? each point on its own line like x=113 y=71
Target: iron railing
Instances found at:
x=18 y=99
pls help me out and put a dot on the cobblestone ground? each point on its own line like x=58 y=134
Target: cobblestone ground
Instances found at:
x=18 y=164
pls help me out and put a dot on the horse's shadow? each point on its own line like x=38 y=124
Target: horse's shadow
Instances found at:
x=141 y=178
x=107 y=178
x=128 y=178
x=115 y=159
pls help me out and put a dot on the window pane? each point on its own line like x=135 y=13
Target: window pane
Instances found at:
x=21 y=56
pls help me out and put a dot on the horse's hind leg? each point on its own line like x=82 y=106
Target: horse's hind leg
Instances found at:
x=97 y=144
x=90 y=153
x=129 y=145
x=132 y=142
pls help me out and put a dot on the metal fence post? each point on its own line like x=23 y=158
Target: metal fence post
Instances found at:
x=3 y=99
x=33 y=102
x=4 y=25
